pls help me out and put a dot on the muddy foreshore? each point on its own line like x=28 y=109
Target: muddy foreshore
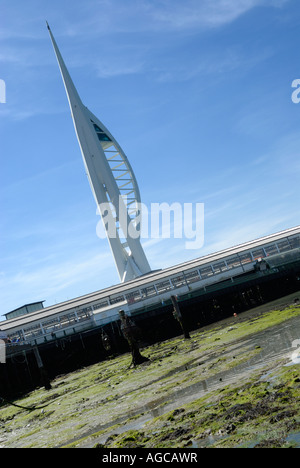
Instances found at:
x=234 y=384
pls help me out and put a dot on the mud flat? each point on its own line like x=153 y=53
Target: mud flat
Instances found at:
x=235 y=384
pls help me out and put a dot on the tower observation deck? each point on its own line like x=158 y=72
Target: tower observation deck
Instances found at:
x=112 y=181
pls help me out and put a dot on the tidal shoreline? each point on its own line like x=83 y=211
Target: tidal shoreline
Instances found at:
x=233 y=384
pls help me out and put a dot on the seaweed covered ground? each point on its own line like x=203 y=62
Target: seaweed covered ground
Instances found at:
x=235 y=383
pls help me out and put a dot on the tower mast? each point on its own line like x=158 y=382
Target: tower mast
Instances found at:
x=112 y=181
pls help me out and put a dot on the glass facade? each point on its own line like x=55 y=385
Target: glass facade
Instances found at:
x=274 y=252
x=100 y=133
x=26 y=309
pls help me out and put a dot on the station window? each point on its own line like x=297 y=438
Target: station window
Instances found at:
x=284 y=245
x=31 y=332
x=178 y=281
x=206 y=272
x=16 y=336
x=100 y=305
x=134 y=296
x=233 y=262
x=258 y=253
x=219 y=267
x=295 y=242
x=84 y=314
x=67 y=320
x=271 y=250
x=192 y=276
x=115 y=300
x=163 y=286
x=51 y=325
x=245 y=258
x=149 y=291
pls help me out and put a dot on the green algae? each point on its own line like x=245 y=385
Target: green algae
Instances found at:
x=96 y=405
x=242 y=416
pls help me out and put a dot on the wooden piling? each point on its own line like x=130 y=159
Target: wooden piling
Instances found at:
x=178 y=316
x=43 y=373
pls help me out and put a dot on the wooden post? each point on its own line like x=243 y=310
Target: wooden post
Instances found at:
x=130 y=332
x=179 y=318
x=44 y=376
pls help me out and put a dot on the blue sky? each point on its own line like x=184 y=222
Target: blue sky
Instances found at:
x=198 y=94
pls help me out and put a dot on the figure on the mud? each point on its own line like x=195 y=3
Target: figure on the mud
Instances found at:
x=131 y=332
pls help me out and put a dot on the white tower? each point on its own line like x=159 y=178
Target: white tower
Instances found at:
x=112 y=181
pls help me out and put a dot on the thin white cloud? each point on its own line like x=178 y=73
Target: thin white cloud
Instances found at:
x=116 y=68
x=52 y=281
x=205 y=14
x=241 y=232
x=105 y=18
x=16 y=114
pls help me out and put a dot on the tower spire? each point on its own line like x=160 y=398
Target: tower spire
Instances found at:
x=112 y=181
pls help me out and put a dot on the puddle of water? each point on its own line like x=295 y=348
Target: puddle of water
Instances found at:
x=294 y=439
x=207 y=441
x=275 y=344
